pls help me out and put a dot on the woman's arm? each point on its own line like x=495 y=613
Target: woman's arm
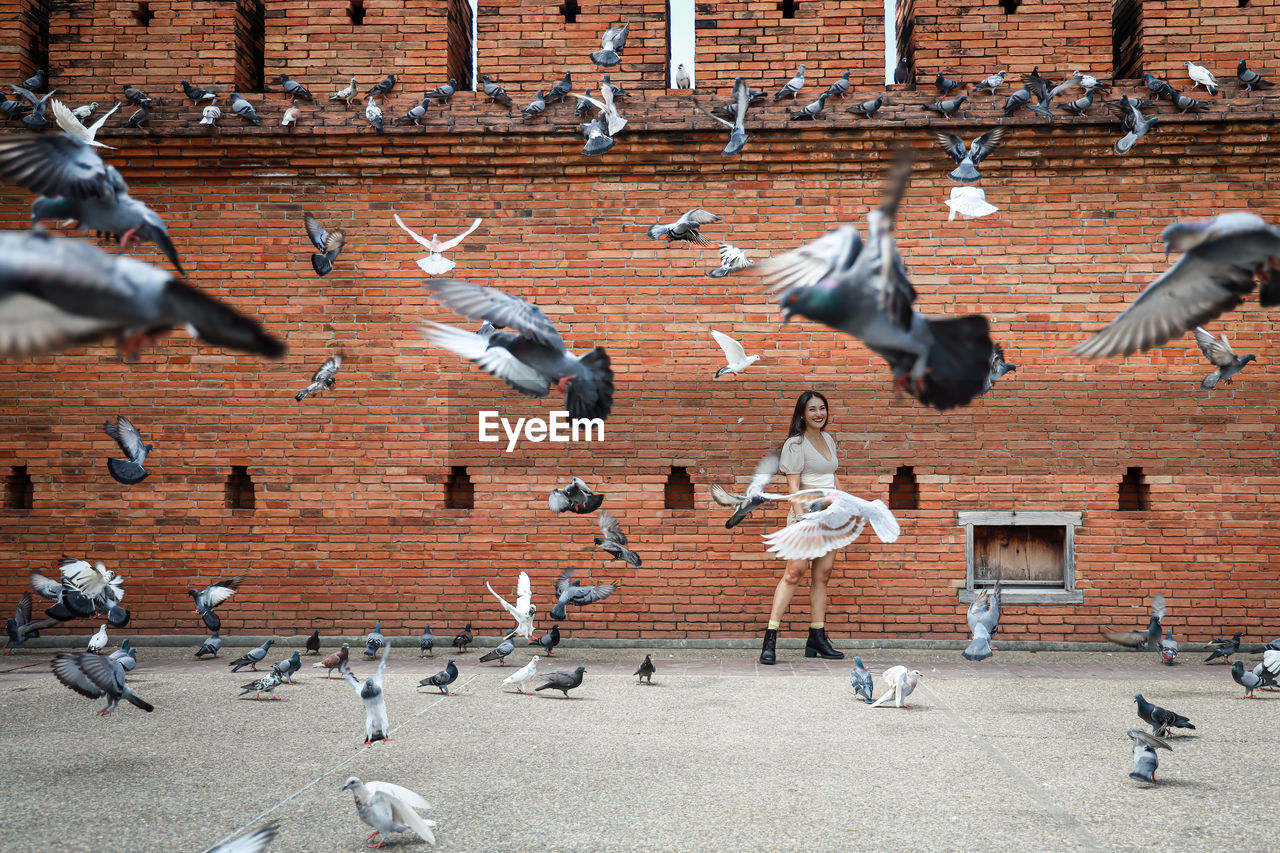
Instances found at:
x=793 y=485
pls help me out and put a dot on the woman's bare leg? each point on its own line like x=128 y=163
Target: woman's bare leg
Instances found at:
x=820 y=573
x=791 y=577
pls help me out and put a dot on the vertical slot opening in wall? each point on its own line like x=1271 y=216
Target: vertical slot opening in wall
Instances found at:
x=1126 y=39
x=37 y=15
x=240 y=492
x=570 y=10
x=678 y=493
x=681 y=40
x=1010 y=6
x=355 y=12
x=459 y=492
x=143 y=15
x=19 y=491
x=787 y=8
x=899 y=38
x=251 y=31
x=1134 y=495
x=462 y=58
x=904 y=492
x=1242 y=3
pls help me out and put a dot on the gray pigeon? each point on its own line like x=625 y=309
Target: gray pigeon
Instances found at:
x=1222 y=258
x=569 y=591
x=597 y=135
x=287 y=667
x=584 y=104
x=373 y=115
x=442 y=93
x=95 y=676
x=968 y=158
x=860 y=678
x=867 y=109
x=946 y=108
x=1225 y=648
x=1160 y=719
x=374 y=641
x=382 y=87
x=1079 y=106
x=1168 y=648
x=529 y=354
x=214 y=594
x=1149 y=637
x=494 y=92
x=16 y=627
x=644 y=672
x=295 y=89
x=1186 y=104
x=211 y=646
x=323 y=379
x=744 y=504
x=196 y=94
x=56 y=292
x=611 y=44
x=126 y=656
x=617 y=91
x=376 y=725
x=499 y=653
x=118 y=214
x=328 y=244
x=559 y=91
x=442 y=679
x=1145 y=760
x=1133 y=122
x=946 y=86
x=266 y=684
x=999 y=367
x=613 y=541
x=562 y=681
x=840 y=88
x=539 y=105
x=1018 y=99
x=902 y=72
x=737 y=130
x=983 y=618
x=389 y=808
x=244 y=109
x=137 y=97
x=251 y=658
x=36 y=81
x=1251 y=79
x=811 y=111
x=427 y=642
x=576 y=497
x=995 y=81
x=129 y=470
x=1221 y=356
x=864 y=292
x=685 y=228
x=792 y=87
x=414 y=114
x=1250 y=681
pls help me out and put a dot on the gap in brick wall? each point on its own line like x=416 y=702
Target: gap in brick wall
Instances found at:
x=250 y=41
x=37 y=14
x=459 y=493
x=1134 y=496
x=788 y=8
x=678 y=492
x=1010 y=6
x=19 y=491
x=1242 y=3
x=461 y=57
x=1126 y=39
x=570 y=10
x=143 y=15
x=904 y=492
x=240 y=491
x=355 y=11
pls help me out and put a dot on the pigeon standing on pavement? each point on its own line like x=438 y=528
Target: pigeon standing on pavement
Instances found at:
x=1160 y=719
x=427 y=642
x=860 y=678
x=548 y=641
x=266 y=684
x=562 y=681
x=1225 y=648
x=128 y=471
x=983 y=618
x=792 y=87
x=287 y=667
x=576 y=497
x=442 y=679
x=1221 y=356
x=523 y=676
x=1168 y=648
x=613 y=541
x=899 y=683
x=322 y=380
x=1250 y=681
x=1251 y=79
x=95 y=676
x=499 y=653
x=126 y=656
x=463 y=639
x=644 y=672
x=313 y=643
x=337 y=661
x=390 y=808
x=210 y=646
x=1145 y=760
x=374 y=641
x=376 y=725
x=734 y=354
x=251 y=658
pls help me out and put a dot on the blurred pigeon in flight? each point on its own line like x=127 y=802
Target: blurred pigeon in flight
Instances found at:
x=214 y=594
x=613 y=541
x=685 y=228
x=323 y=380
x=1225 y=648
x=16 y=627
x=328 y=244
x=820 y=531
x=256 y=841
x=737 y=129
x=611 y=44
x=376 y=725
x=576 y=497
x=94 y=676
x=999 y=367
x=753 y=496
x=1221 y=356
x=1145 y=759
x=1148 y=638
x=129 y=470
x=569 y=591
x=732 y=259
x=435 y=263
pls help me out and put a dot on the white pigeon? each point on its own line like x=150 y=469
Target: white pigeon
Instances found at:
x=683 y=80
x=901 y=683
x=734 y=353
x=72 y=127
x=290 y=116
x=92 y=581
x=375 y=704
x=348 y=94
x=85 y=111
x=817 y=533
x=523 y=609
x=211 y=114
x=98 y=641
x=1271 y=662
x=1202 y=77
x=435 y=263
x=732 y=259
x=523 y=676
x=390 y=808
x=606 y=107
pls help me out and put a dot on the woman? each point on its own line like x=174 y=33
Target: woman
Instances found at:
x=809 y=461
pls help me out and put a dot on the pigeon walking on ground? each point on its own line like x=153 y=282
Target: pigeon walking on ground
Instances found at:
x=562 y=681
x=969 y=158
x=463 y=639
x=983 y=618
x=313 y=643
x=443 y=678
x=390 y=808
x=1225 y=648
x=1168 y=648
x=686 y=228
x=1251 y=79
x=322 y=380
x=548 y=641
x=522 y=611
x=499 y=652
x=251 y=658
x=376 y=725
x=374 y=641
x=576 y=497
x=644 y=672
x=98 y=641
x=95 y=676
x=1221 y=356
x=337 y=661
x=426 y=642
x=1249 y=680
x=214 y=594
x=899 y=683
x=611 y=44
x=266 y=684
x=1160 y=719
x=613 y=541
x=753 y=496
x=1145 y=760
x=436 y=263
x=860 y=678
x=737 y=357
x=523 y=676
x=1149 y=637
x=792 y=87
x=128 y=470
x=210 y=646
x=569 y=591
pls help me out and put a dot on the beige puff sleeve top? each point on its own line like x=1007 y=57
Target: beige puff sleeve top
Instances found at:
x=816 y=471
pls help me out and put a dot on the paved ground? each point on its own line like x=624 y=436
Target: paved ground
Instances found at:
x=1025 y=751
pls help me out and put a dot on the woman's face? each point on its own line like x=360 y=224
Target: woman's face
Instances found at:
x=815 y=413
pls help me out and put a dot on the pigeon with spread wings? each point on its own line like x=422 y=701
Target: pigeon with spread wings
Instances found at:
x=376 y=725
x=822 y=530
x=613 y=541
x=569 y=591
x=737 y=131
x=576 y=497
x=753 y=496
x=1221 y=356
x=129 y=470
x=968 y=158
x=611 y=44
x=328 y=245
x=435 y=263
x=390 y=808
x=323 y=380
x=533 y=358
x=733 y=353
x=524 y=608
x=686 y=228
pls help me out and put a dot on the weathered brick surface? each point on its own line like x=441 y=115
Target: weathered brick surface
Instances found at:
x=349 y=524
x=1215 y=33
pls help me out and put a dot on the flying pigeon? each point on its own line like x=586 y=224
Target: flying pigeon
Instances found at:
x=1246 y=679
x=38 y=118
x=607 y=89
x=337 y=660
x=867 y=109
x=900 y=684
x=683 y=80
x=383 y=86
x=611 y=44
x=1221 y=356
x=256 y=841
x=569 y=591
x=1159 y=88
x=211 y=596
x=596 y=134
x=754 y=494
x=442 y=93
x=373 y=114
x=210 y=646
x=999 y=367
x=995 y=81
x=1145 y=760
x=840 y=88
x=324 y=378
x=499 y=653
x=494 y=91
x=946 y=108
x=792 y=86
x=613 y=541
x=1168 y=648
x=16 y=627
x=91 y=581
x=1251 y=79
x=522 y=611
x=685 y=228
x=210 y=115
x=969 y=158
x=85 y=112
x=548 y=641
x=94 y=676
x=1221 y=258
x=860 y=678
x=614 y=122
x=348 y=93
x=244 y=109
x=98 y=641
x=562 y=681
x=983 y=618
x=251 y=658
x=538 y=105
x=733 y=353
x=435 y=263
x=1149 y=638
x=737 y=129
x=532 y=358
x=644 y=672
x=945 y=86
x=1160 y=719
x=811 y=111
x=1201 y=76
x=463 y=639
x=294 y=89
x=426 y=642
x=211 y=620
x=732 y=259
x=523 y=676
x=820 y=531
x=266 y=684
x=576 y=497
x=375 y=705
x=443 y=678
x=128 y=470
x=389 y=808
x=1225 y=648
x=583 y=106
x=328 y=244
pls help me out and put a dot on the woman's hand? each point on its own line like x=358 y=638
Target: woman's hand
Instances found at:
x=799 y=506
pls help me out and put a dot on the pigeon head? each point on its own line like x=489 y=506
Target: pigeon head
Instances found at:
x=1183 y=236
x=1237 y=668
x=50 y=208
x=502 y=339
x=352 y=782
x=1246 y=358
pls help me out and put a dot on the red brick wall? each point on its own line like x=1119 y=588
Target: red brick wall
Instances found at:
x=18 y=26
x=1215 y=33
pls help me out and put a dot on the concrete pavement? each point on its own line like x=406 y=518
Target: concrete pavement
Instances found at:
x=1024 y=751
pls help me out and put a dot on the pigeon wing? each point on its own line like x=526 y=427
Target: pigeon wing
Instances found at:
x=418 y=238
x=724 y=497
x=449 y=244
x=126 y=435
x=506 y=605
x=1217 y=350
x=221 y=591
x=496 y=361
x=809 y=264
x=71 y=125
x=498 y=307
x=562 y=582
x=592 y=594
x=524 y=595
x=715 y=117
x=67 y=667
x=319 y=237
x=701 y=217
x=83 y=578
x=985 y=144
x=733 y=350
x=953 y=145
x=403 y=813
x=766 y=470
x=57 y=165
x=615 y=37
x=610 y=529
x=1158 y=606
x=45 y=587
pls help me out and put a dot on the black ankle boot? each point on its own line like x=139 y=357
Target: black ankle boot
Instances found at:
x=769 y=653
x=819 y=646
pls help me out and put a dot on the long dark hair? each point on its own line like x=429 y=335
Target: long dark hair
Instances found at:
x=797 y=417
